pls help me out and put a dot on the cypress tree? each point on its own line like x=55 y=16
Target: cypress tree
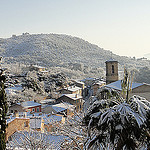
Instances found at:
x=3 y=112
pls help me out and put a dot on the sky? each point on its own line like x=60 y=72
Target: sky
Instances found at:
x=122 y=26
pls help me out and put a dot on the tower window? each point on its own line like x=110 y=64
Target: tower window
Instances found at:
x=112 y=68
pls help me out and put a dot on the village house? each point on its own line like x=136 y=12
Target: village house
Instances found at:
x=44 y=122
x=97 y=85
x=61 y=108
x=37 y=123
x=26 y=121
x=74 y=99
x=15 y=124
x=71 y=90
x=88 y=81
x=79 y=83
x=50 y=109
x=28 y=106
x=52 y=121
x=141 y=89
x=14 y=108
x=31 y=106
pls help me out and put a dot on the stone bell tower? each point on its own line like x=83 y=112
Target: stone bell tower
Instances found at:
x=111 y=71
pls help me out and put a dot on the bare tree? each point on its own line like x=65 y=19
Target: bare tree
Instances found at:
x=34 y=140
x=75 y=131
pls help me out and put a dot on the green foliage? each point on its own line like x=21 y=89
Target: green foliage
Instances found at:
x=117 y=121
x=126 y=84
x=143 y=75
x=3 y=112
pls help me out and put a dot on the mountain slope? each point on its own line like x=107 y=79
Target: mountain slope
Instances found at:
x=57 y=50
x=147 y=56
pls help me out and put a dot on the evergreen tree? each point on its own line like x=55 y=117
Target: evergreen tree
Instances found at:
x=117 y=121
x=3 y=111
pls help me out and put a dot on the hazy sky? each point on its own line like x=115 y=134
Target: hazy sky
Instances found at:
x=122 y=26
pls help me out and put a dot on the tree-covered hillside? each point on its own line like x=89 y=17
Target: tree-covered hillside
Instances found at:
x=63 y=51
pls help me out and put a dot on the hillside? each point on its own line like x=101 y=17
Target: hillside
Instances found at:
x=51 y=50
x=147 y=56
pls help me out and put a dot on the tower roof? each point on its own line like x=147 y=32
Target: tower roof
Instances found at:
x=111 y=60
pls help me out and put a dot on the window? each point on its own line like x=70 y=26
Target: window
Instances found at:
x=113 y=69
x=26 y=124
x=33 y=109
x=37 y=109
x=45 y=128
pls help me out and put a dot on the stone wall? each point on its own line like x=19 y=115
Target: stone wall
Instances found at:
x=18 y=124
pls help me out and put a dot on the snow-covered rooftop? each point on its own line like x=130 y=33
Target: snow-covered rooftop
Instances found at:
x=88 y=79
x=11 y=118
x=117 y=85
x=64 y=105
x=28 y=104
x=73 y=88
x=13 y=90
x=51 y=119
x=100 y=83
x=58 y=109
x=73 y=96
x=78 y=81
x=46 y=101
x=111 y=60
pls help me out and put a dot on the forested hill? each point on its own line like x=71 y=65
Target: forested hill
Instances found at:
x=57 y=50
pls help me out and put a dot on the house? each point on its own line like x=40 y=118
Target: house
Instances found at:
x=31 y=106
x=44 y=122
x=88 y=81
x=79 y=83
x=14 y=108
x=50 y=109
x=74 y=99
x=69 y=108
x=59 y=108
x=141 y=89
x=37 y=123
x=15 y=124
x=28 y=106
x=97 y=85
x=51 y=121
x=71 y=90
x=47 y=102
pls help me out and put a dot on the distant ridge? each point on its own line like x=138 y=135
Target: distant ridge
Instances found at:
x=57 y=50
x=147 y=56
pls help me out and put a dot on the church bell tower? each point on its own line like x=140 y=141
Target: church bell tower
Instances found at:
x=111 y=71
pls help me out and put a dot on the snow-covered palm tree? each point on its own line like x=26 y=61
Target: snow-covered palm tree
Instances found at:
x=118 y=122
